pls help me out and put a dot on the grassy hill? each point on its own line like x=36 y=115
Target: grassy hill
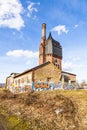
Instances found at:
x=44 y=110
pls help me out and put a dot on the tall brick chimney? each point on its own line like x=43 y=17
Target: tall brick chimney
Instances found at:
x=43 y=31
x=42 y=45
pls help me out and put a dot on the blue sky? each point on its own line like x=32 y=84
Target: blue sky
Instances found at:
x=20 y=34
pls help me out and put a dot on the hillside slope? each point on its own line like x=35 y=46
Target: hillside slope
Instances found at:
x=44 y=110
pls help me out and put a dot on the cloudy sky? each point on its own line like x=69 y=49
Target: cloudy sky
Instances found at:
x=20 y=34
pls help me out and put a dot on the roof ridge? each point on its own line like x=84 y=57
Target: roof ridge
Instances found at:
x=36 y=67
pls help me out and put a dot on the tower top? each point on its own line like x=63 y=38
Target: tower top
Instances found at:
x=43 y=24
x=50 y=36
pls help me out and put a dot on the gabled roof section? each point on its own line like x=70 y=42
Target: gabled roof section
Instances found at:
x=29 y=70
x=54 y=42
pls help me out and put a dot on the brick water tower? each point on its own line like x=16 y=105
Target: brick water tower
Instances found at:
x=50 y=49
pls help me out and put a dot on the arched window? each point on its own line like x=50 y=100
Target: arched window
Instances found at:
x=56 y=63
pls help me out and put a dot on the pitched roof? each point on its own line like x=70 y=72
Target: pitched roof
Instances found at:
x=63 y=72
x=29 y=70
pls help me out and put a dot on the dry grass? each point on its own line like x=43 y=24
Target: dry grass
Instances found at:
x=45 y=110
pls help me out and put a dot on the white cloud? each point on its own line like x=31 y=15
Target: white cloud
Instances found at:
x=32 y=63
x=76 y=25
x=73 y=58
x=72 y=66
x=71 y=63
x=59 y=29
x=22 y=53
x=67 y=66
x=10 y=14
x=77 y=68
x=9 y=64
x=31 y=8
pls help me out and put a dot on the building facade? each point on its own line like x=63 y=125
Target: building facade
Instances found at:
x=49 y=69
